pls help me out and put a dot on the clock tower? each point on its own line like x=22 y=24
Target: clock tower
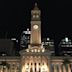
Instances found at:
x=35 y=26
x=35 y=58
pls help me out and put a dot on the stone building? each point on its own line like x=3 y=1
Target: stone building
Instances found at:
x=35 y=58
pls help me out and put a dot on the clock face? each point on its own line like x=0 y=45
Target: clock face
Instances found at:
x=35 y=26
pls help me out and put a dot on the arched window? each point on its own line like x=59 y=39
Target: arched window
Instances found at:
x=39 y=70
x=35 y=64
x=39 y=63
x=31 y=64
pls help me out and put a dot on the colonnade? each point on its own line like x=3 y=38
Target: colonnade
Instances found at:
x=36 y=67
x=61 y=68
x=10 y=69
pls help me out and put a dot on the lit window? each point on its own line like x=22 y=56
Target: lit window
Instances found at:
x=27 y=63
x=31 y=64
x=47 y=38
x=13 y=38
x=66 y=39
x=39 y=63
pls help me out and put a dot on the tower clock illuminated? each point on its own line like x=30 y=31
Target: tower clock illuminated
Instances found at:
x=35 y=26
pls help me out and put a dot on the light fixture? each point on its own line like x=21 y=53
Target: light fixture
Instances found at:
x=38 y=50
x=43 y=50
x=27 y=50
x=32 y=50
x=35 y=50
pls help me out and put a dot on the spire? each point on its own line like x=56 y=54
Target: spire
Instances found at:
x=36 y=7
x=35 y=13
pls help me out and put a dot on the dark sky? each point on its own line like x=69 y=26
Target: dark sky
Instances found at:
x=56 y=17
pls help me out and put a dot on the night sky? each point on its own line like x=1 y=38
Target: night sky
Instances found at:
x=56 y=18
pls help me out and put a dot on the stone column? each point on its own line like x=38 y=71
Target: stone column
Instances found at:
x=49 y=63
x=55 y=70
x=60 y=70
x=71 y=67
x=20 y=66
x=64 y=69
x=6 y=69
x=1 y=70
x=33 y=67
x=69 y=70
x=37 y=66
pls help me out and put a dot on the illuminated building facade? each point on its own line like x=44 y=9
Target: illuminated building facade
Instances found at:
x=66 y=46
x=25 y=38
x=38 y=57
